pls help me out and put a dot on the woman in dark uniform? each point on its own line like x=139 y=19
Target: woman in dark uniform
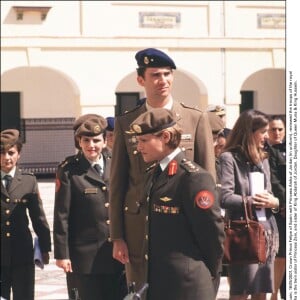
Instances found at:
x=19 y=195
x=81 y=233
x=183 y=226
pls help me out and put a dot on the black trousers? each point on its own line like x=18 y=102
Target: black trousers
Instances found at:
x=97 y=286
x=19 y=279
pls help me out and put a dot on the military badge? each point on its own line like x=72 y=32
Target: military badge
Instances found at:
x=97 y=129
x=137 y=128
x=146 y=60
x=57 y=185
x=172 y=168
x=204 y=199
x=165 y=199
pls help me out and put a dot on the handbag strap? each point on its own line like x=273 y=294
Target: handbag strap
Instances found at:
x=244 y=199
x=247 y=212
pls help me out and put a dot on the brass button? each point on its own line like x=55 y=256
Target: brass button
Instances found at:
x=109 y=239
x=135 y=152
x=106 y=204
x=104 y=188
x=7 y=200
x=148 y=198
x=7 y=211
x=107 y=222
x=146 y=218
x=126 y=208
x=146 y=256
x=182 y=149
x=7 y=223
x=146 y=236
x=7 y=234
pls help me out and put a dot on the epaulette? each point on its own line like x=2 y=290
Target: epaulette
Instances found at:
x=189 y=166
x=69 y=159
x=132 y=110
x=151 y=167
x=25 y=172
x=190 y=107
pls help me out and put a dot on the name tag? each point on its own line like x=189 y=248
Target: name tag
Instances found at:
x=186 y=136
x=91 y=191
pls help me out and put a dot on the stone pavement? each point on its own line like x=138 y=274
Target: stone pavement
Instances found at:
x=50 y=283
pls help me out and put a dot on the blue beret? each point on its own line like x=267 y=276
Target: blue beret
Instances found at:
x=110 y=123
x=153 y=58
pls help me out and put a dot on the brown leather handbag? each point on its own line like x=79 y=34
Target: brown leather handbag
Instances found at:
x=245 y=241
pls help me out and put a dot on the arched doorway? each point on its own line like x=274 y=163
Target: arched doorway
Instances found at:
x=265 y=89
x=48 y=104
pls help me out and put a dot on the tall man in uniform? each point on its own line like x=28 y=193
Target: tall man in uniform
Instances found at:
x=155 y=74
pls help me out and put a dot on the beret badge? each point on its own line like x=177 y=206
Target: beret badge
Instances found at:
x=137 y=128
x=97 y=129
x=146 y=60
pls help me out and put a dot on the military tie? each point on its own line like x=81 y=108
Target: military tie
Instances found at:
x=8 y=180
x=156 y=173
x=98 y=169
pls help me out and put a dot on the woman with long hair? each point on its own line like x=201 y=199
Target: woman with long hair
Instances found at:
x=243 y=157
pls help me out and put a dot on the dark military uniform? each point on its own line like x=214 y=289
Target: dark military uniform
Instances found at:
x=184 y=241
x=81 y=231
x=17 y=266
x=182 y=224
x=128 y=177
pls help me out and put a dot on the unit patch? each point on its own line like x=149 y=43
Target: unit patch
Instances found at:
x=57 y=185
x=204 y=199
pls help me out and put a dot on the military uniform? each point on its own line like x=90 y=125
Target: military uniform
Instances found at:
x=16 y=238
x=184 y=233
x=81 y=231
x=128 y=174
x=183 y=228
x=128 y=168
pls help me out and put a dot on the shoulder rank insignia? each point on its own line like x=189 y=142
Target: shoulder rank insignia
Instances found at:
x=189 y=166
x=204 y=199
x=165 y=199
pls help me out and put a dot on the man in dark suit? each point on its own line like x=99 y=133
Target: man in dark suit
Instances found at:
x=19 y=194
x=155 y=74
x=184 y=231
x=81 y=234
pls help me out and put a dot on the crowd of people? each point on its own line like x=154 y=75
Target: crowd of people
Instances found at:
x=139 y=209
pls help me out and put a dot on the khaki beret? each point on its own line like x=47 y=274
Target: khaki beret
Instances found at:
x=81 y=119
x=92 y=126
x=217 y=109
x=9 y=137
x=215 y=122
x=152 y=121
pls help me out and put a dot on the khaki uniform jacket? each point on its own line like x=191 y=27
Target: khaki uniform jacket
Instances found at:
x=16 y=238
x=128 y=175
x=81 y=230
